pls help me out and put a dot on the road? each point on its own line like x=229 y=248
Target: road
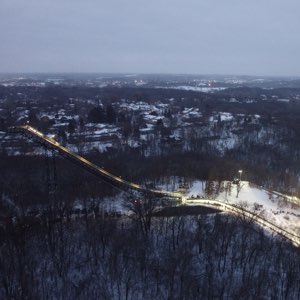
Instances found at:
x=49 y=142
x=120 y=181
x=248 y=214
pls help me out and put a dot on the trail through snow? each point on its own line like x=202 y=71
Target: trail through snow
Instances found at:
x=279 y=209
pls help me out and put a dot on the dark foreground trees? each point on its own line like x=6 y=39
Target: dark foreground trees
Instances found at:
x=205 y=257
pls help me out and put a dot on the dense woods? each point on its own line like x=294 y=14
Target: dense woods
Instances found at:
x=204 y=257
x=46 y=254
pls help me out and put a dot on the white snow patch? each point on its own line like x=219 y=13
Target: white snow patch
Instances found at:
x=276 y=208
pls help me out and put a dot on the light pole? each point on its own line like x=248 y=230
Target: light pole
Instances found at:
x=240 y=172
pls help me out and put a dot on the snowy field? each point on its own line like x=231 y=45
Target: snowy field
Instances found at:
x=279 y=209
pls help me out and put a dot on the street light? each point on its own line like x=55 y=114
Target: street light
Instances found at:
x=240 y=172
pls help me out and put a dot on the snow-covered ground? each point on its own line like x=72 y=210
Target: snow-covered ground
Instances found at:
x=195 y=88
x=279 y=209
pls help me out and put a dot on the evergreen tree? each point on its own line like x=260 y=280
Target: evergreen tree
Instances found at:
x=96 y=115
x=110 y=114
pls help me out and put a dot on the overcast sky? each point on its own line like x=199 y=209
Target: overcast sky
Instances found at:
x=254 y=37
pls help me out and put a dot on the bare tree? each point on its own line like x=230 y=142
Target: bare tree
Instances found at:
x=239 y=187
x=143 y=208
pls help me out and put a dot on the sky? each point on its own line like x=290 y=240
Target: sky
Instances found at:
x=255 y=37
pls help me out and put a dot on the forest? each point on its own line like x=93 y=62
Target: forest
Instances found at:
x=214 y=256
x=48 y=250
